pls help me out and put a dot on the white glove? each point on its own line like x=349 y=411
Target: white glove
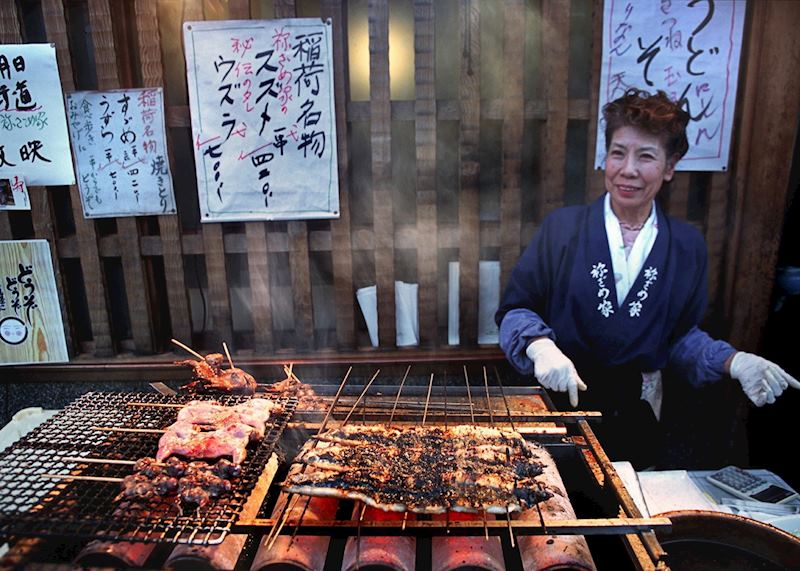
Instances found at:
x=554 y=370
x=762 y=381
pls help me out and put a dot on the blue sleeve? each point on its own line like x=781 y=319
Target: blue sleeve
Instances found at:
x=526 y=298
x=698 y=358
x=517 y=329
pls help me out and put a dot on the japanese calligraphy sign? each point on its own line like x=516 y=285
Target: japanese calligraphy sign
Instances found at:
x=263 y=122
x=33 y=127
x=14 y=194
x=121 y=152
x=689 y=49
x=31 y=330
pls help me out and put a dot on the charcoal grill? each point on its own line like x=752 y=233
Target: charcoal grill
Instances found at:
x=40 y=507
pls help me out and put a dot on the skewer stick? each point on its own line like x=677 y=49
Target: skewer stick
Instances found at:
x=472 y=415
x=228 y=354
x=189 y=349
x=87 y=478
x=538 y=509
x=277 y=530
x=358 y=400
x=488 y=402
x=427 y=401
x=300 y=521
x=397 y=398
x=510 y=529
x=102 y=461
x=358 y=534
x=135 y=430
x=505 y=401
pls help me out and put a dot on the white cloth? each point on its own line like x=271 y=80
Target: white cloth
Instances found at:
x=554 y=370
x=626 y=269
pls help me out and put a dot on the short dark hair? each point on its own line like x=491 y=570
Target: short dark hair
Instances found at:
x=656 y=114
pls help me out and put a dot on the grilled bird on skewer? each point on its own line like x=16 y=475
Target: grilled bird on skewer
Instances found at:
x=209 y=377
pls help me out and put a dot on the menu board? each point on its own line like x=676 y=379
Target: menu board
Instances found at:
x=121 y=152
x=263 y=119
x=691 y=51
x=31 y=330
x=33 y=128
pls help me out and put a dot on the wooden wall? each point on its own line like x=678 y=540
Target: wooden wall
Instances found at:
x=498 y=129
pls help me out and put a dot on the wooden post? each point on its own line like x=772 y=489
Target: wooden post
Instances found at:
x=93 y=275
x=427 y=228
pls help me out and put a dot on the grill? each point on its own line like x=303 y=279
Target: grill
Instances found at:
x=614 y=528
x=41 y=506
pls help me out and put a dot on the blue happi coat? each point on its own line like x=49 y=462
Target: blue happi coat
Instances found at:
x=563 y=287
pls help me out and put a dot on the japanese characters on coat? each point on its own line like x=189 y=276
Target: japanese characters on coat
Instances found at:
x=34 y=145
x=263 y=119
x=691 y=51
x=121 y=152
x=31 y=329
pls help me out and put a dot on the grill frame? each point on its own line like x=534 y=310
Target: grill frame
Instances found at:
x=75 y=508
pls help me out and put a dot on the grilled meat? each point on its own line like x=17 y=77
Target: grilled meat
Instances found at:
x=254 y=413
x=191 y=441
x=209 y=377
x=421 y=469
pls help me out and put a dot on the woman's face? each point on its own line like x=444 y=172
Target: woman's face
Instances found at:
x=636 y=167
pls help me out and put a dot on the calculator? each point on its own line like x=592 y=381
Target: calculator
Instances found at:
x=750 y=487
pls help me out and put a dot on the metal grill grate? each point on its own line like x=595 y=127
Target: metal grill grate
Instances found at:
x=35 y=506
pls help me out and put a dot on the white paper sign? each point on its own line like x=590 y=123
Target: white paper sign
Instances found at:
x=33 y=128
x=691 y=51
x=121 y=152
x=14 y=194
x=263 y=119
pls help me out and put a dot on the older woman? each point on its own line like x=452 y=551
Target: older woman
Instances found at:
x=609 y=294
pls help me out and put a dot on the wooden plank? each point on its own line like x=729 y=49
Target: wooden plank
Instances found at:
x=716 y=238
x=469 y=172
x=214 y=253
x=381 y=143
x=594 y=179
x=510 y=193
x=152 y=71
x=132 y=264
x=342 y=256
x=93 y=276
x=772 y=76
x=9 y=34
x=678 y=203
x=425 y=139
x=257 y=261
x=555 y=46
x=298 y=248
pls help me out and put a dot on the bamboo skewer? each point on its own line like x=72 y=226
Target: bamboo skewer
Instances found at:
x=79 y=459
x=505 y=402
x=86 y=478
x=188 y=349
x=228 y=353
x=358 y=400
x=397 y=398
x=469 y=396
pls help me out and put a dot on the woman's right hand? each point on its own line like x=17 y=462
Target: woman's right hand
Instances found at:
x=553 y=369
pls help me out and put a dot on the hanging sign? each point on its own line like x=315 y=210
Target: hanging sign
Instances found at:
x=691 y=51
x=31 y=330
x=33 y=128
x=121 y=152
x=14 y=194
x=263 y=119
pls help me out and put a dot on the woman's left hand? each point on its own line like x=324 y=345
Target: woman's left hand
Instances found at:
x=762 y=380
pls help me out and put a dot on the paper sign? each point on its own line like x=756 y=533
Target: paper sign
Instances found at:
x=691 y=51
x=33 y=128
x=263 y=119
x=31 y=330
x=14 y=194
x=121 y=152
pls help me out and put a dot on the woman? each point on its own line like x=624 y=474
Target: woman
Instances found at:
x=607 y=295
